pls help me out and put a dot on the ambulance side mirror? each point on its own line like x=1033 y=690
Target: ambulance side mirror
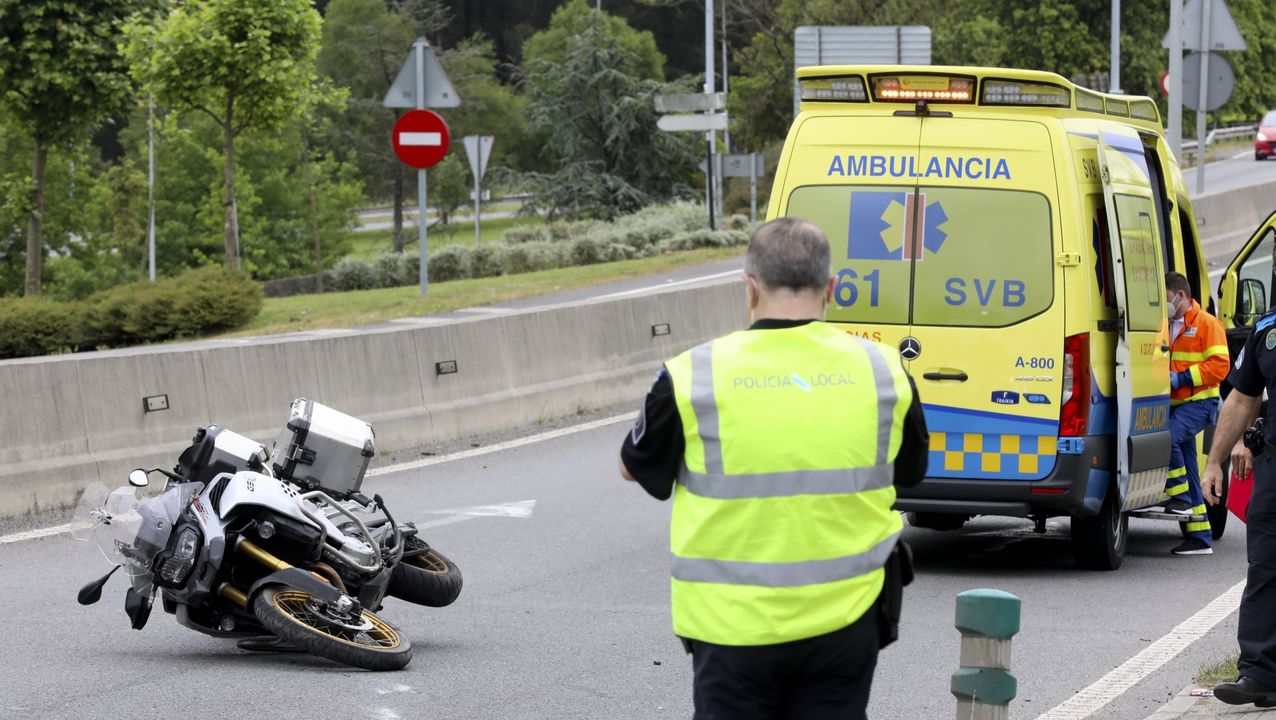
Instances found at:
x=1251 y=302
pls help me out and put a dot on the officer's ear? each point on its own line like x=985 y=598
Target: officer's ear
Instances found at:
x=751 y=293
x=828 y=291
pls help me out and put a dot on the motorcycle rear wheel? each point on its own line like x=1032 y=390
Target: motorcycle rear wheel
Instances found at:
x=426 y=578
x=365 y=641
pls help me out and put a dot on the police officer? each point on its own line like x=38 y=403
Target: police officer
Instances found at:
x=1254 y=371
x=781 y=445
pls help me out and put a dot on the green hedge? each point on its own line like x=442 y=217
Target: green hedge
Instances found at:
x=651 y=231
x=197 y=303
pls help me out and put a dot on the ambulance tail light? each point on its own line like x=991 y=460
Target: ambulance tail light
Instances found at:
x=1075 y=415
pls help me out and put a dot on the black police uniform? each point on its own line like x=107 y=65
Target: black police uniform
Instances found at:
x=1254 y=371
x=810 y=679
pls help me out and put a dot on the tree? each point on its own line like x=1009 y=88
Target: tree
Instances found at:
x=364 y=45
x=244 y=65
x=61 y=75
x=488 y=107
x=548 y=49
x=598 y=114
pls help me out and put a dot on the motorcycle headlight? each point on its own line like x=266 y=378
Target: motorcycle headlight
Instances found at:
x=177 y=567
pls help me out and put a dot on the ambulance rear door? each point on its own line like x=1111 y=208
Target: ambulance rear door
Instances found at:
x=987 y=320
x=1141 y=360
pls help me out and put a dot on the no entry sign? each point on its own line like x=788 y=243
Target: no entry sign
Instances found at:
x=420 y=138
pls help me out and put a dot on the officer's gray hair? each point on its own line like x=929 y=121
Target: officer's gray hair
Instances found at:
x=788 y=253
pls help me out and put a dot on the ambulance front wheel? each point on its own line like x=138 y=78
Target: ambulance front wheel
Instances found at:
x=1098 y=543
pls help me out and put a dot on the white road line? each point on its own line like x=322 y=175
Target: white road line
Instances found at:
x=675 y=283
x=401 y=467
x=1090 y=700
x=37 y=534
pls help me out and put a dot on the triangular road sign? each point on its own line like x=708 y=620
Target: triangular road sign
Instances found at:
x=439 y=92
x=1224 y=34
x=479 y=150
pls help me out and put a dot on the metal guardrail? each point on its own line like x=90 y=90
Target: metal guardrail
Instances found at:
x=1231 y=133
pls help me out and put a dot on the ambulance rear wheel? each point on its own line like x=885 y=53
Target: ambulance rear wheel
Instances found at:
x=1098 y=543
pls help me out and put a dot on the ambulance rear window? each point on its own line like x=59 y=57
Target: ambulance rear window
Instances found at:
x=993 y=260
x=970 y=257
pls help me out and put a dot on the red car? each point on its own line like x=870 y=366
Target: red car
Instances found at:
x=1265 y=141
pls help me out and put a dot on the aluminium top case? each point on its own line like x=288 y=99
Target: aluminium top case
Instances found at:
x=325 y=449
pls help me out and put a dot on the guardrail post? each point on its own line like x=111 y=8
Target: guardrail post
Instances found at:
x=983 y=685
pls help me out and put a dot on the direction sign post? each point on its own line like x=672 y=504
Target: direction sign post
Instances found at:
x=421 y=72
x=1202 y=26
x=713 y=105
x=479 y=149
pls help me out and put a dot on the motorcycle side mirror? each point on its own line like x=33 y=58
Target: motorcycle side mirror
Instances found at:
x=92 y=592
x=138 y=478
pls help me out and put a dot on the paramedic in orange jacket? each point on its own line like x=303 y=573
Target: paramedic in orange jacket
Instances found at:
x=1198 y=363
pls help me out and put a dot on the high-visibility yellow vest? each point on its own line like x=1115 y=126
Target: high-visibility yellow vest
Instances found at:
x=782 y=517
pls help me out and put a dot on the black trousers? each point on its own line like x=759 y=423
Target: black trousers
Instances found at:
x=1256 y=631
x=821 y=677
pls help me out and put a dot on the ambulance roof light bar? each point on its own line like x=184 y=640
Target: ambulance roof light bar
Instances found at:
x=931 y=88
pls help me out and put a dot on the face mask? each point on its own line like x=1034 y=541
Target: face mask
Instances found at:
x=1174 y=307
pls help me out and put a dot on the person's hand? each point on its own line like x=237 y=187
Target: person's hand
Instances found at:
x=1242 y=459
x=1174 y=381
x=1212 y=483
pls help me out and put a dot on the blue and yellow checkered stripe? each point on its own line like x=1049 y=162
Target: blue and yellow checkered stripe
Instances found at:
x=980 y=455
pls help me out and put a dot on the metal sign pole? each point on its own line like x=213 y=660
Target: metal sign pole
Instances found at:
x=1115 y=83
x=709 y=85
x=1204 y=97
x=753 y=190
x=478 y=194
x=150 y=188
x=1175 y=80
x=421 y=219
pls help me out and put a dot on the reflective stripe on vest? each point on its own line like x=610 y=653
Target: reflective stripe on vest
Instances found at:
x=780 y=575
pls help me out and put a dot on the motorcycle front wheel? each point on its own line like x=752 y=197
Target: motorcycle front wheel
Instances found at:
x=425 y=576
x=364 y=640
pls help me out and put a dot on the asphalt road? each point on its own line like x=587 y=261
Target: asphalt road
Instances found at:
x=1240 y=170
x=565 y=614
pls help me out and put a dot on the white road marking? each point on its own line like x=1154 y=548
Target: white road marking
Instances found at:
x=403 y=467
x=425 y=139
x=501 y=447
x=519 y=509
x=37 y=534
x=1107 y=688
x=651 y=288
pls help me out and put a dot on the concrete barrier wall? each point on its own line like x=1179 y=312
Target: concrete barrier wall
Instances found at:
x=70 y=420
x=1227 y=219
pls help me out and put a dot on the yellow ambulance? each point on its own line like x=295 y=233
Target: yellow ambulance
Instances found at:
x=1009 y=232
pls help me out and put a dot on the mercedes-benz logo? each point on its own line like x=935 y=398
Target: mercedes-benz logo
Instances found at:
x=909 y=348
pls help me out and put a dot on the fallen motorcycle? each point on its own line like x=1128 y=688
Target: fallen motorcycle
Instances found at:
x=241 y=544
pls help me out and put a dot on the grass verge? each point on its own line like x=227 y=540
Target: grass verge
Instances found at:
x=1211 y=675
x=366 y=307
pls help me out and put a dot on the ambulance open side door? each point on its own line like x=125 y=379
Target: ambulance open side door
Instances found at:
x=1141 y=359
x=1246 y=290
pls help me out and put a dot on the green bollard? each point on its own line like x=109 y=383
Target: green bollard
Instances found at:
x=983 y=686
